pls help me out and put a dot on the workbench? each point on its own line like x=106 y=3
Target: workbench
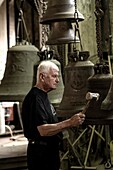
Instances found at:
x=13 y=152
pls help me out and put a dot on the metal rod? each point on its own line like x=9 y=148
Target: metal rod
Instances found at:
x=89 y=146
x=74 y=143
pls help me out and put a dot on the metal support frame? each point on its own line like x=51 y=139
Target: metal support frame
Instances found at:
x=83 y=165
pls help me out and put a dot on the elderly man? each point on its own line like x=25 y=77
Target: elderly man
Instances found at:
x=41 y=126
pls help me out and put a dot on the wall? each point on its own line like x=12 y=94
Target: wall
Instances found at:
x=87 y=27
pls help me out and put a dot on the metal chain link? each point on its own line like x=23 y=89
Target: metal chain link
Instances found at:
x=75 y=8
x=45 y=28
x=38 y=7
x=77 y=26
x=41 y=7
x=99 y=13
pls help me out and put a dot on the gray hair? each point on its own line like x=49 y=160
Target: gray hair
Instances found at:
x=45 y=66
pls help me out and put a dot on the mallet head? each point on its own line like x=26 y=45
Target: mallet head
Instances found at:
x=90 y=96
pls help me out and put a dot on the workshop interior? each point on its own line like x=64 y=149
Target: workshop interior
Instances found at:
x=77 y=36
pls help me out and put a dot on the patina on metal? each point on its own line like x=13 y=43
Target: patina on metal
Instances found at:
x=55 y=96
x=107 y=103
x=19 y=73
x=99 y=83
x=61 y=33
x=59 y=10
x=78 y=70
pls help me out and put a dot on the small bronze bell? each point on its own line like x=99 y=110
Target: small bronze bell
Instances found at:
x=61 y=33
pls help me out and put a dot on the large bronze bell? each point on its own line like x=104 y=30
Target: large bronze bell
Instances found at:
x=107 y=103
x=61 y=33
x=99 y=83
x=18 y=76
x=58 y=10
x=76 y=75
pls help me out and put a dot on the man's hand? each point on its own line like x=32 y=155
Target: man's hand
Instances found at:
x=77 y=119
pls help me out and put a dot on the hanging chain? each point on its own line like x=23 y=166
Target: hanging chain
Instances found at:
x=77 y=25
x=76 y=13
x=38 y=7
x=41 y=6
x=45 y=28
x=99 y=13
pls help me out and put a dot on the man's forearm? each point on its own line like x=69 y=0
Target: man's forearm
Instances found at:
x=52 y=129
